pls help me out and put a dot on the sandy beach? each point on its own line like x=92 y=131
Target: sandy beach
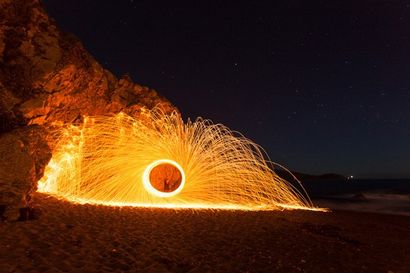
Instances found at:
x=67 y=237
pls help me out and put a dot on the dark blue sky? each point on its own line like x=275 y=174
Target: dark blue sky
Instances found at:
x=323 y=86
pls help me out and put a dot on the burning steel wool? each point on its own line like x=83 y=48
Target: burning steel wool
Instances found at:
x=159 y=160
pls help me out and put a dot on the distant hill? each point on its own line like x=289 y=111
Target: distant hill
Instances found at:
x=309 y=177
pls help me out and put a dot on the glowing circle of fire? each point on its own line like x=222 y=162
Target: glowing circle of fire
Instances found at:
x=148 y=181
x=158 y=160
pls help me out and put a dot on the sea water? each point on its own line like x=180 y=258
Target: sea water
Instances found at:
x=379 y=196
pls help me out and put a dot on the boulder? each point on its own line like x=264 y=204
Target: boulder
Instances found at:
x=24 y=154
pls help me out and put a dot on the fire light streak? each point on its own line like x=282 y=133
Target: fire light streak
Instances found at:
x=148 y=184
x=108 y=161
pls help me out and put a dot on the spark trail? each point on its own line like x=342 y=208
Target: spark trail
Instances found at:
x=108 y=160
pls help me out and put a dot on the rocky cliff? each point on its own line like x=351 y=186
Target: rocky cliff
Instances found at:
x=47 y=78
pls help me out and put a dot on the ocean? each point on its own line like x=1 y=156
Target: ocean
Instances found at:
x=378 y=196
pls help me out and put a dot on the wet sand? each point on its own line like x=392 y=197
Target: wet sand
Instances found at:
x=85 y=238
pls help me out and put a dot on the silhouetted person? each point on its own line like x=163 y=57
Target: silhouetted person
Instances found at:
x=166 y=184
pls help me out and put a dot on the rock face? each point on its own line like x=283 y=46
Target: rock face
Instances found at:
x=47 y=78
x=24 y=154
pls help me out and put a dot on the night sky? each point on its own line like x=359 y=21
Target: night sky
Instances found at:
x=323 y=86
